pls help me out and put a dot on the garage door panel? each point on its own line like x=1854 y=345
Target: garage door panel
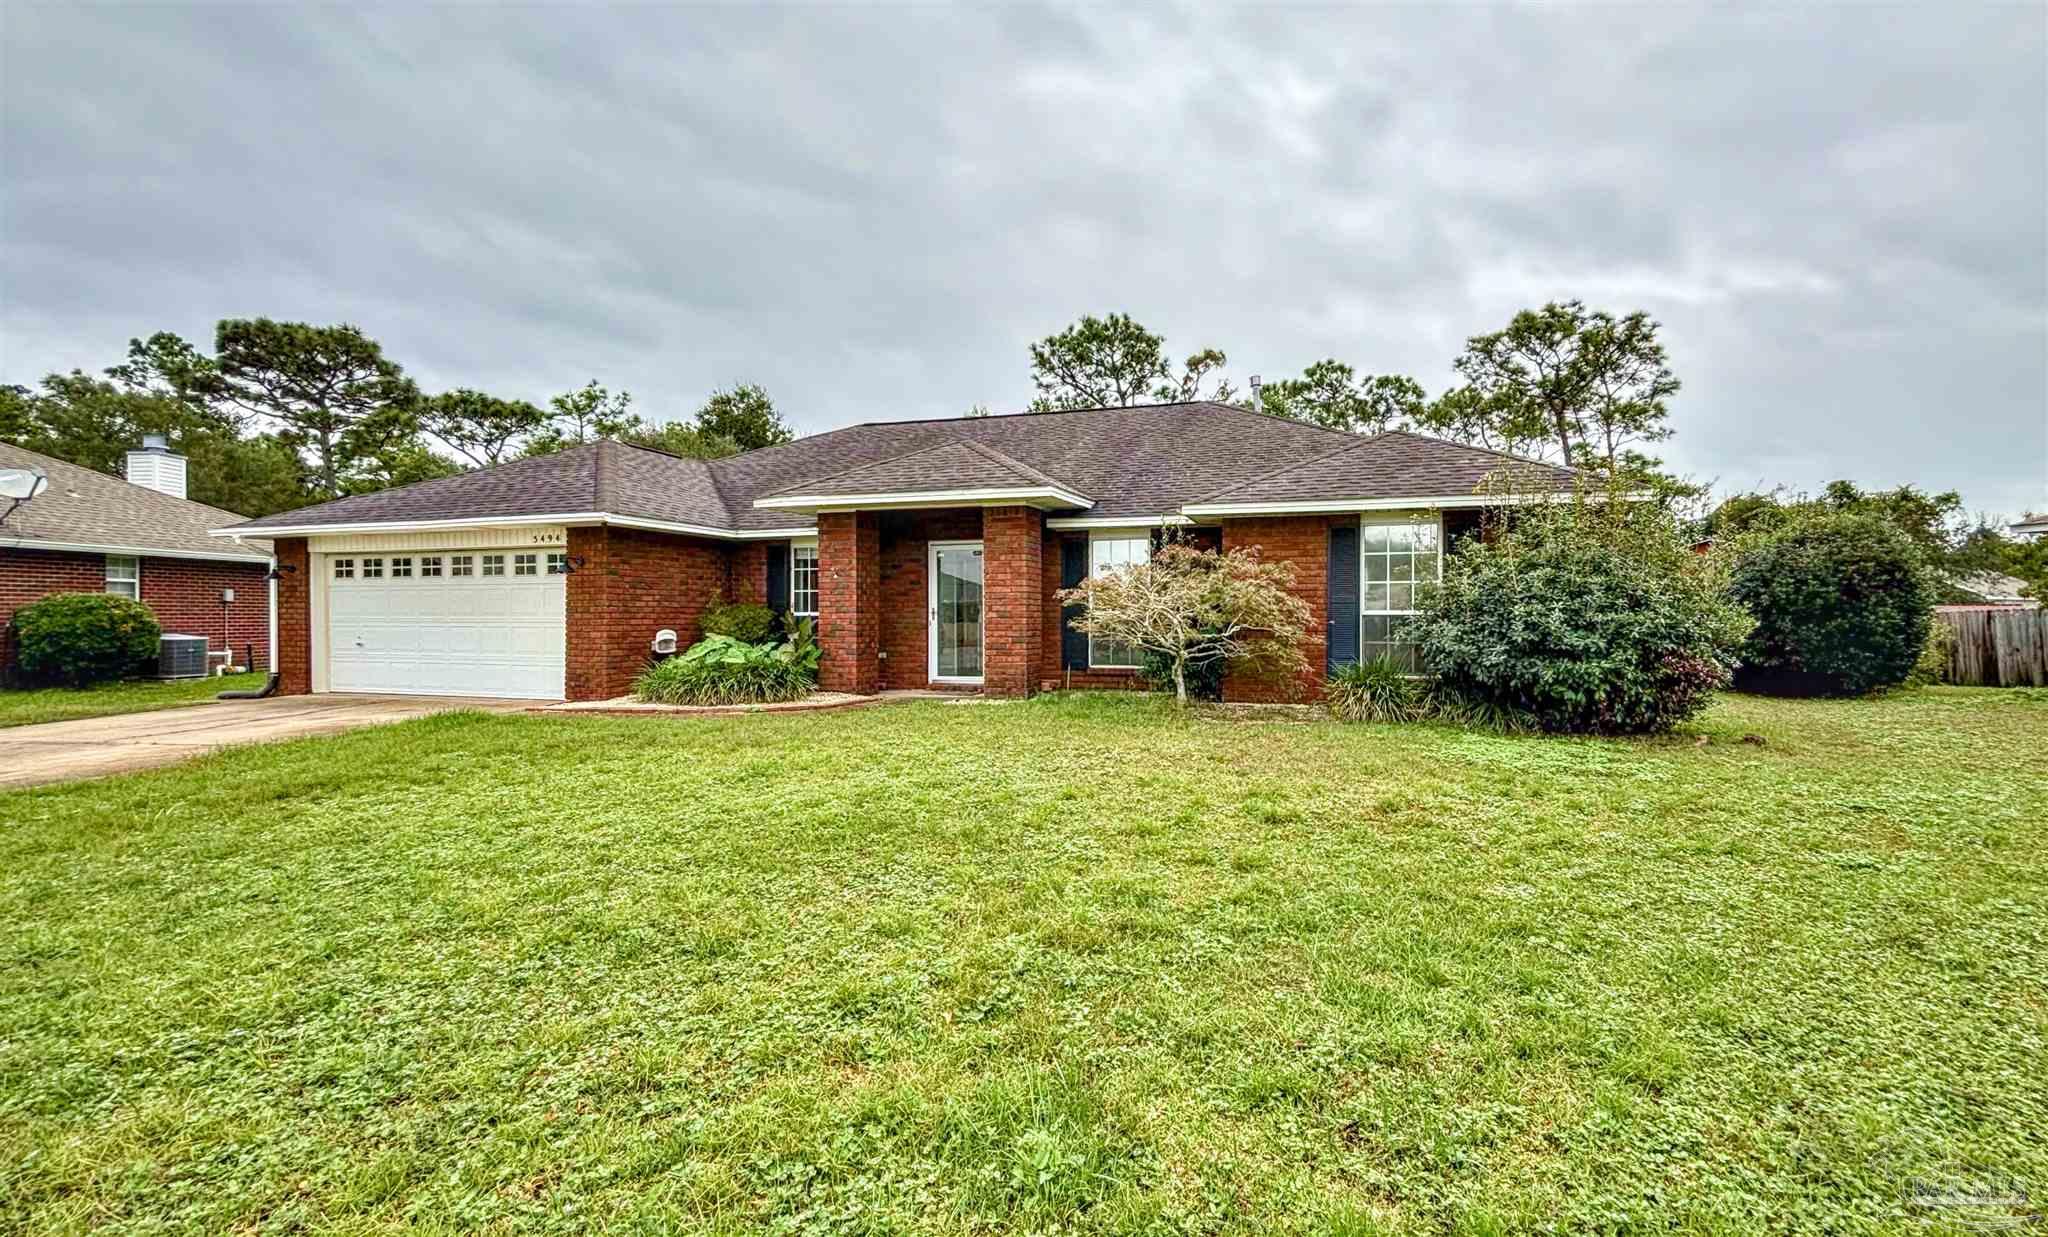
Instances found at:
x=447 y=635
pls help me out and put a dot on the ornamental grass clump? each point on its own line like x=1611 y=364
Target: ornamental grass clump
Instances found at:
x=722 y=670
x=1373 y=691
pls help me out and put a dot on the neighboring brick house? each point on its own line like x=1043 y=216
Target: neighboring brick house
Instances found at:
x=929 y=551
x=87 y=532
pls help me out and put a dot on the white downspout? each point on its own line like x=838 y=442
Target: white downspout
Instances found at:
x=271 y=666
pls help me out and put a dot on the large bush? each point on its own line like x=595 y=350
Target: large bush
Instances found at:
x=81 y=638
x=742 y=620
x=1584 y=617
x=1842 y=604
x=719 y=670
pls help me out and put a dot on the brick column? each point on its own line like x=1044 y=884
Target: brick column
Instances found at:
x=850 y=601
x=294 y=617
x=1013 y=597
x=1305 y=542
x=588 y=611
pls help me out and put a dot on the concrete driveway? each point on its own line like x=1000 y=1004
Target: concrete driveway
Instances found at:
x=98 y=746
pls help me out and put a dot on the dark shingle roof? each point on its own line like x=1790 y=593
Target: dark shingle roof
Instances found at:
x=1142 y=462
x=84 y=507
x=948 y=466
x=1393 y=465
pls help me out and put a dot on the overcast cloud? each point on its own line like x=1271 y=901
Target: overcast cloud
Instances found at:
x=1840 y=214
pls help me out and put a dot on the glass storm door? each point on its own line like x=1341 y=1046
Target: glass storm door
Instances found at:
x=955 y=611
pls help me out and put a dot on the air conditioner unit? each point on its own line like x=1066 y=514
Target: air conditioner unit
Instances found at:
x=181 y=657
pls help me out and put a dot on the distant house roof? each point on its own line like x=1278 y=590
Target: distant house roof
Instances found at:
x=1994 y=587
x=1137 y=464
x=91 y=512
x=2030 y=525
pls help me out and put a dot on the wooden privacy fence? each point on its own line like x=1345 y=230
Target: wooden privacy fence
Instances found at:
x=1997 y=646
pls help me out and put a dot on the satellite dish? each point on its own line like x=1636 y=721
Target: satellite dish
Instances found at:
x=22 y=484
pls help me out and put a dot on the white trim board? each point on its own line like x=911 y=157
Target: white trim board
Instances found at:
x=136 y=551
x=1037 y=495
x=575 y=519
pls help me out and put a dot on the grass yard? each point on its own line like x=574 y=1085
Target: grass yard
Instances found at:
x=1068 y=965
x=62 y=704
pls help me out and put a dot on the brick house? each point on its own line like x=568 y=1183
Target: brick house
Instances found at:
x=87 y=532
x=929 y=551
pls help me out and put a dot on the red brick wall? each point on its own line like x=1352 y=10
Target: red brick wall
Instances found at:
x=629 y=585
x=1013 y=566
x=294 y=617
x=185 y=593
x=30 y=575
x=906 y=538
x=849 y=601
x=750 y=573
x=1305 y=542
x=1052 y=676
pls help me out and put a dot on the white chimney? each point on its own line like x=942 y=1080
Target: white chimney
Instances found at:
x=156 y=468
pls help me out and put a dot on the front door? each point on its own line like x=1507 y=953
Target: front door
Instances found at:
x=954 y=569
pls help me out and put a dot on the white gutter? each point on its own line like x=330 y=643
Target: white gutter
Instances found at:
x=1077 y=522
x=1049 y=495
x=1337 y=506
x=513 y=521
x=251 y=558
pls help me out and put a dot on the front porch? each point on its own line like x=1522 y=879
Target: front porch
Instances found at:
x=933 y=597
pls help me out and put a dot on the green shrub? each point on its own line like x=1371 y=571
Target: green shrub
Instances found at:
x=1842 y=604
x=1205 y=678
x=742 y=620
x=1373 y=691
x=1932 y=667
x=81 y=638
x=1584 y=617
x=719 y=670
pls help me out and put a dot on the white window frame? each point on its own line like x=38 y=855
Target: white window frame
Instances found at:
x=344 y=568
x=492 y=565
x=373 y=569
x=1095 y=537
x=130 y=577
x=462 y=564
x=797 y=550
x=430 y=566
x=526 y=564
x=556 y=563
x=1396 y=520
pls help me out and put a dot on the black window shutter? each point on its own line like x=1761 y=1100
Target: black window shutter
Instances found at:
x=1073 y=570
x=1343 y=646
x=778 y=578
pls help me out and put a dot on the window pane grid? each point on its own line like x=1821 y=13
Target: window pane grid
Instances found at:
x=1107 y=554
x=124 y=576
x=803 y=580
x=1396 y=557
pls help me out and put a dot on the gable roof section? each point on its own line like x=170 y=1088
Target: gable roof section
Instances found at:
x=1386 y=470
x=950 y=469
x=89 y=511
x=1139 y=464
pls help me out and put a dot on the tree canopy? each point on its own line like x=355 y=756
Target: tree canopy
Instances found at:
x=743 y=416
x=1114 y=362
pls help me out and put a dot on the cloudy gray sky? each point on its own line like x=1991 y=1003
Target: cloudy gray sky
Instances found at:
x=1839 y=213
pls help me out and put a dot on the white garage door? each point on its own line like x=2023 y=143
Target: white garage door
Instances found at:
x=447 y=623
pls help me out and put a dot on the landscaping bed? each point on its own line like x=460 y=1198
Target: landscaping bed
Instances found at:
x=1075 y=964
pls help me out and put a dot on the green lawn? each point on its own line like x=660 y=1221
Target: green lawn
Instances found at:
x=1069 y=965
x=62 y=704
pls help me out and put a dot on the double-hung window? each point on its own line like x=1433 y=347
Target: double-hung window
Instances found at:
x=803 y=579
x=124 y=576
x=1107 y=552
x=1395 y=557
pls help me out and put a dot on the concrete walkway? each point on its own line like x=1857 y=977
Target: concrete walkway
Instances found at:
x=98 y=746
